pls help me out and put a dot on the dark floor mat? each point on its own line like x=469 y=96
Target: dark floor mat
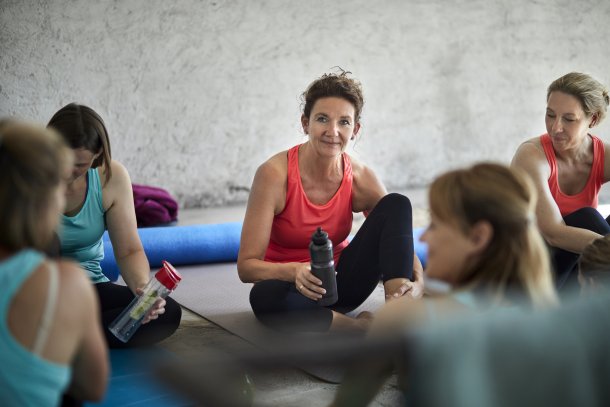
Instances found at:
x=215 y=292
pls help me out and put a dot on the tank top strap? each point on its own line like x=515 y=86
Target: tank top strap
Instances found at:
x=598 y=161
x=95 y=188
x=293 y=172
x=49 y=310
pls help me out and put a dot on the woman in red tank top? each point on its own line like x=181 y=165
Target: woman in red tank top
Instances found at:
x=318 y=184
x=568 y=167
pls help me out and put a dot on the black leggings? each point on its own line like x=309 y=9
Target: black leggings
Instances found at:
x=382 y=249
x=565 y=262
x=113 y=300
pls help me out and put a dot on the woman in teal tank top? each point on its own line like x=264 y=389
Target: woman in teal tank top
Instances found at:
x=484 y=245
x=98 y=197
x=47 y=345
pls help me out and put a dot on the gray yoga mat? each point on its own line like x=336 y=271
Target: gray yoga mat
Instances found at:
x=215 y=292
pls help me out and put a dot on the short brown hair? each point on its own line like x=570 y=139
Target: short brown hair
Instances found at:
x=338 y=85
x=32 y=159
x=82 y=127
x=593 y=96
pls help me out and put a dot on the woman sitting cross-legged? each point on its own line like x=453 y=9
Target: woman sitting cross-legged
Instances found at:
x=317 y=184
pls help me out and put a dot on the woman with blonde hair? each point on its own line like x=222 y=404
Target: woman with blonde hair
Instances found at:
x=568 y=167
x=50 y=333
x=483 y=242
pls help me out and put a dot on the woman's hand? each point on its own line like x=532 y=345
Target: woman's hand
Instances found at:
x=414 y=289
x=308 y=284
x=157 y=309
x=399 y=287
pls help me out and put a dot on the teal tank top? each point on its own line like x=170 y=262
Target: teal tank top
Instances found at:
x=464 y=297
x=81 y=234
x=26 y=379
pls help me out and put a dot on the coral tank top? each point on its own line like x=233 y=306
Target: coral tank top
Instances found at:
x=292 y=228
x=588 y=196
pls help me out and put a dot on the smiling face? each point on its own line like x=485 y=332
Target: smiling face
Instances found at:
x=448 y=250
x=566 y=121
x=330 y=125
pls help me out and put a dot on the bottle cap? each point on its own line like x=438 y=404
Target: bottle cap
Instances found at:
x=319 y=237
x=168 y=276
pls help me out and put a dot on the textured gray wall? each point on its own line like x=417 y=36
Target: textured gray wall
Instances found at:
x=196 y=94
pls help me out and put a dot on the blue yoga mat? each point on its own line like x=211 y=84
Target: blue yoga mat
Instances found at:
x=181 y=245
x=132 y=382
x=198 y=244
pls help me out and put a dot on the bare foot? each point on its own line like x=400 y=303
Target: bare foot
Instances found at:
x=365 y=318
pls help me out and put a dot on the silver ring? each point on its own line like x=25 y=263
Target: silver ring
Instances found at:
x=300 y=287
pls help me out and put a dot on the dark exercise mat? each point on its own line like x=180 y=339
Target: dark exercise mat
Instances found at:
x=215 y=292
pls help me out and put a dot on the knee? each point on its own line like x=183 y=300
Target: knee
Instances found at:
x=266 y=297
x=587 y=218
x=587 y=211
x=395 y=203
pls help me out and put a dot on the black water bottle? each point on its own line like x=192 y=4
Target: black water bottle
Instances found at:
x=323 y=265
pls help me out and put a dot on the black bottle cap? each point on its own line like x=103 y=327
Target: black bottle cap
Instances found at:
x=319 y=237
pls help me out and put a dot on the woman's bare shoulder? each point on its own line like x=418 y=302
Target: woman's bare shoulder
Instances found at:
x=73 y=278
x=275 y=168
x=530 y=155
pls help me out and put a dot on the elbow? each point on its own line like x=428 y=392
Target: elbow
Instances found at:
x=97 y=394
x=98 y=389
x=93 y=391
x=242 y=272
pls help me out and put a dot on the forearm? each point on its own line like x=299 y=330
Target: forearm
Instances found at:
x=254 y=270
x=135 y=269
x=570 y=238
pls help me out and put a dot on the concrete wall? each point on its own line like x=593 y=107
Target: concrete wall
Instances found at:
x=196 y=94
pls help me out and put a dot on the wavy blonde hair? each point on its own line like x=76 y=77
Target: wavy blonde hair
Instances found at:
x=516 y=260
x=593 y=96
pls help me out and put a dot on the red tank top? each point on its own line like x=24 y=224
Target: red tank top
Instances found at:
x=292 y=228
x=588 y=196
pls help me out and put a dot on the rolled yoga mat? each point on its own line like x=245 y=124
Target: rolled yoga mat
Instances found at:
x=199 y=244
x=181 y=245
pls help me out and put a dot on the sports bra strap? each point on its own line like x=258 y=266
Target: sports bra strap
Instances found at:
x=49 y=310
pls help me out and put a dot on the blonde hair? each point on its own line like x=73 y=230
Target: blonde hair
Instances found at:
x=595 y=258
x=32 y=160
x=593 y=96
x=516 y=258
